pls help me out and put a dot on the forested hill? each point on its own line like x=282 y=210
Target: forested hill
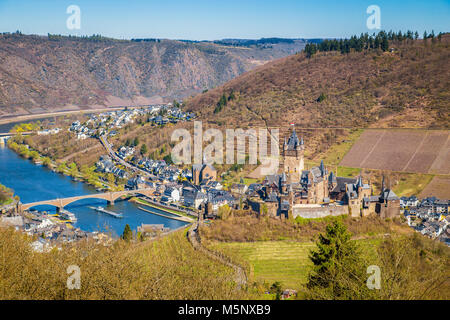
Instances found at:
x=399 y=83
x=43 y=74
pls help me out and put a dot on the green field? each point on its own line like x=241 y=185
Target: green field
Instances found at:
x=271 y=261
x=347 y=172
x=412 y=184
x=336 y=153
x=283 y=261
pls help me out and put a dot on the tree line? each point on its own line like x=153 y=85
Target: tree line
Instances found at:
x=366 y=42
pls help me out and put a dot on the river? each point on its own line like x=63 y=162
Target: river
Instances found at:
x=35 y=183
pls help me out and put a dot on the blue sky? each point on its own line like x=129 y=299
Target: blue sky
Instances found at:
x=213 y=19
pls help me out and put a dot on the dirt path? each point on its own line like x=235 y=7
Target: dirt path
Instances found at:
x=194 y=239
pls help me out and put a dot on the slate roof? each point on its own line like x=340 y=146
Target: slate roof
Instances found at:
x=317 y=174
x=272 y=197
x=332 y=177
x=341 y=182
x=389 y=195
x=273 y=179
x=293 y=141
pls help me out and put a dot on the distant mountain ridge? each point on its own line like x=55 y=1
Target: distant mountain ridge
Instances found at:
x=40 y=74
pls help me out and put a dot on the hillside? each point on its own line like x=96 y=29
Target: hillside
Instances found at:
x=40 y=74
x=407 y=87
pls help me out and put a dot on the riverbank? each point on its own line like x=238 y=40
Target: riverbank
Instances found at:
x=162 y=208
x=89 y=177
x=179 y=218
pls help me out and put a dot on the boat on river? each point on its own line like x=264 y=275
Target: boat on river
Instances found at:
x=68 y=215
x=111 y=213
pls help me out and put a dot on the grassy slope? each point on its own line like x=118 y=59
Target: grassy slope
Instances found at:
x=168 y=268
x=283 y=261
x=271 y=261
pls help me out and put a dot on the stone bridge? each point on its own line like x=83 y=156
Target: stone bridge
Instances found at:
x=4 y=136
x=108 y=196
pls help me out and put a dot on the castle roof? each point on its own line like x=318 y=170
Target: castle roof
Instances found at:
x=272 y=197
x=332 y=177
x=359 y=182
x=389 y=195
x=293 y=141
x=322 y=168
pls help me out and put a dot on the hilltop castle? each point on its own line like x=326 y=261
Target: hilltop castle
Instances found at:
x=318 y=192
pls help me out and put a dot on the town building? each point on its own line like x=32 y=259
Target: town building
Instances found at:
x=202 y=173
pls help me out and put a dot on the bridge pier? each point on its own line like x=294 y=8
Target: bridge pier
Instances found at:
x=110 y=202
x=3 y=140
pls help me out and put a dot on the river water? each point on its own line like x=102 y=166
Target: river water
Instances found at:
x=35 y=183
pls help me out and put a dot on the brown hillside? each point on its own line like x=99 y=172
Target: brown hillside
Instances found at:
x=39 y=75
x=408 y=87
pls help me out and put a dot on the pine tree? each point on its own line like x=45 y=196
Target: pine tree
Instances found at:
x=127 y=233
x=338 y=268
x=144 y=149
x=384 y=43
x=276 y=288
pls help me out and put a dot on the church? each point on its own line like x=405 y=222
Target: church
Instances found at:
x=318 y=192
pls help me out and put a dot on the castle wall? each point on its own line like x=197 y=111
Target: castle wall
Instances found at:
x=371 y=209
x=355 y=209
x=317 y=211
x=256 y=206
x=389 y=211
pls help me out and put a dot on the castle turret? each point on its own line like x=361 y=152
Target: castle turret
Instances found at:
x=283 y=183
x=359 y=183
x=293 y=157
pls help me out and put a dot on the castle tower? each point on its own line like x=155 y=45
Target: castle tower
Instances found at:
x=293 y=157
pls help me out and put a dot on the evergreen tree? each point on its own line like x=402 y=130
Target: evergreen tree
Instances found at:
x=338 y=268
x=276 y=288
x=384 y=44
x=127 y=233
x=136 y=142
x=222 y=102
x=144 y=149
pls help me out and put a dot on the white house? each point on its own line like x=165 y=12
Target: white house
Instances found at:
x=172 y=193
